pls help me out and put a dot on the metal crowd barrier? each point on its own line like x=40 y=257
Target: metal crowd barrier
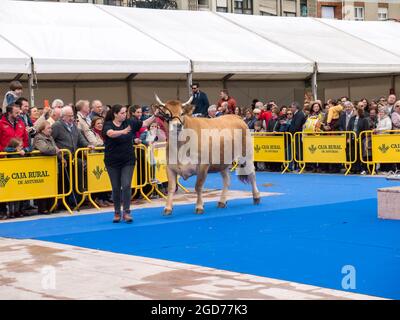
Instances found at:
x=273 y=147
x=379 y=147
x=94 y=173
x=35 y=176
x=325 y=147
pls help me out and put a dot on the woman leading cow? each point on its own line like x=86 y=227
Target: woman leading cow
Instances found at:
x=119 y=157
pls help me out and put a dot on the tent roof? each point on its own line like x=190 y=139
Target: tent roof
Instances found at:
x=13 y=60
x=334 y=51
x=88 y=42
x=213 y=44
x=384 y=34
x=80 y=38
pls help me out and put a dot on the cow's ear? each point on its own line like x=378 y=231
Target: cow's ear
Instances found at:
x=188 y=110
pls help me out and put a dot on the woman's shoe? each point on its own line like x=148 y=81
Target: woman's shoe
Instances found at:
x=117 y=217
x=127 y=217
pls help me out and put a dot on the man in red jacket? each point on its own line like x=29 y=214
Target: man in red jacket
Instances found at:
x=224 y=97
x=12 y=126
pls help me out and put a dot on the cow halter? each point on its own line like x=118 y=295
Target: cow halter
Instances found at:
x=168 y=116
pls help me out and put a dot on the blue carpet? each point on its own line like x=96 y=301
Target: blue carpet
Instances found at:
x=319 y=224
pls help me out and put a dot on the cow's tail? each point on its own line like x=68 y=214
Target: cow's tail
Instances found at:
x=244 y=178
x=246 y=172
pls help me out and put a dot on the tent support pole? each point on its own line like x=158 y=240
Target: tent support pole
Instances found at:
x=31 y=84
x=348 y=90
x=129 y=92
x=393 y=86
x=225 y=79
x=128 y=87
x=189 y=81
x=74 y=93
x=314 y=85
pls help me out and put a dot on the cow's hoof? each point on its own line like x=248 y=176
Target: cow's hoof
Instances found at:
x=221 y=205
x=167 y=212
x=256 y=201
x=199 y=211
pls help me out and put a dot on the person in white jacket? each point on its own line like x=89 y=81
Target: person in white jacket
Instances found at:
x=396 y=116
x=384 y=121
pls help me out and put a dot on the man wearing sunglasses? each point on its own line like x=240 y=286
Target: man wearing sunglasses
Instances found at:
x=200 y=101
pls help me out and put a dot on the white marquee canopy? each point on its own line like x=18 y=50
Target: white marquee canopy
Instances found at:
x=86 y=41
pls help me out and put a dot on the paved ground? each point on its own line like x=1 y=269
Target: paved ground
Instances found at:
x=31 y=269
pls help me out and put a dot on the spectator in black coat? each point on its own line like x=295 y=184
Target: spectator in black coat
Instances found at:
x=357 y=124
x=297 y=126
x=200 y=101
x=345 y=116
x=298 y=118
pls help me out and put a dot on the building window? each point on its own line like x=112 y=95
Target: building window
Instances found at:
x=359 y=13
x=328 y=12
x=222 y=5
x=264 y=13
x=382 y=13
x=289 y=14
x=243 y=6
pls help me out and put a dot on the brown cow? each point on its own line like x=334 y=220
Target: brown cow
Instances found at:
x=203 y=158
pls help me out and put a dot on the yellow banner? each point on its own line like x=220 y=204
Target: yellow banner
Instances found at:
x=98 y=180
x=269 y=148
x=386 y=148
x=324 y=148
x=160 y=160
x=28 y=178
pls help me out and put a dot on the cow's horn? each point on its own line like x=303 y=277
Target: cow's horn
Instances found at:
x=188 y=102
x=159 y=100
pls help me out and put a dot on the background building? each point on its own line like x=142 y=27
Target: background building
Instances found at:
x=358 y=10
x=333 y=9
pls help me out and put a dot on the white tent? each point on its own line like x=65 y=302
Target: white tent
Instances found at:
x=12 y=60
x=384 y=34
x=333 y=50
x=122 y=54
x=214 y=45
x=75 y=39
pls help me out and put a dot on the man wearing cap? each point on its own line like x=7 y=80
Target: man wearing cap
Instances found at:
x=145 y=113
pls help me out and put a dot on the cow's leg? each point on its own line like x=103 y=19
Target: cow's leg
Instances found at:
x=226 y=177
x=201 y=178
x=256 y=193
x=172 y=176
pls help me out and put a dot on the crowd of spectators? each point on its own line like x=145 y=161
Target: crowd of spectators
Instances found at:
x=378 y=115
x=55 y=127
x=24 y=128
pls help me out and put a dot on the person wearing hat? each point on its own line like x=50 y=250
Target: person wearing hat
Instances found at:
x=258 y=114
x=145 y=113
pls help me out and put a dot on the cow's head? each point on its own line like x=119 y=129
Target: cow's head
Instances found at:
x=174 y=111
